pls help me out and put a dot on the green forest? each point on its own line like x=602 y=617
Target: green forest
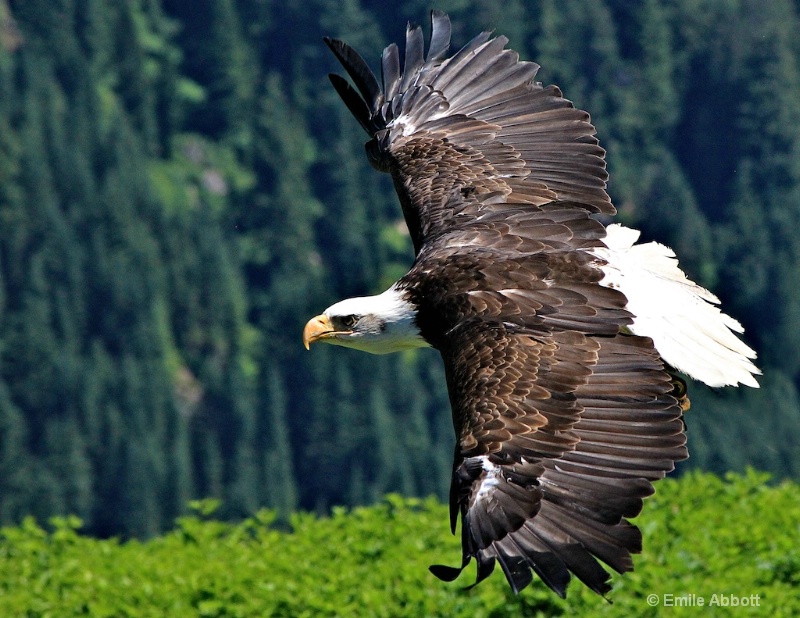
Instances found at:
x=181 y=190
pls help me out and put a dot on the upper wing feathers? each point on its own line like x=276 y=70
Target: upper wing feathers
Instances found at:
x=460 y=70
x=475 y=121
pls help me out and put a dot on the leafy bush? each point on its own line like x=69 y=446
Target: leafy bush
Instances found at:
x=703 y=536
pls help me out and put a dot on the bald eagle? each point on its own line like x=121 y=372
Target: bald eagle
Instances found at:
x=561 y=337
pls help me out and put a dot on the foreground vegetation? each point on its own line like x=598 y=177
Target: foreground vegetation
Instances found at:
x=703 y=536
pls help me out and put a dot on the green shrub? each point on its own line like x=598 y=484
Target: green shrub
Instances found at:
x=703 y=536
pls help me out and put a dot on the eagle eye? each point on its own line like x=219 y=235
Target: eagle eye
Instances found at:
x=348 y=321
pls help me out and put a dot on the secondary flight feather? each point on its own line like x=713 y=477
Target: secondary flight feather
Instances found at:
x=561 y=337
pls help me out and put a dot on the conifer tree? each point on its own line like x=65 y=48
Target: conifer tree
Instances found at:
x=278 y=481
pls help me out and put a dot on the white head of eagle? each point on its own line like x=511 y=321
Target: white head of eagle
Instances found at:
x=378 y=324
x=561 y=337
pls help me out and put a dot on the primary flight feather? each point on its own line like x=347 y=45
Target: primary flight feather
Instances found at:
x=560 y=336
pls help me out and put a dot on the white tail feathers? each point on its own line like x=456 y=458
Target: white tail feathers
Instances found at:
x=688 y=329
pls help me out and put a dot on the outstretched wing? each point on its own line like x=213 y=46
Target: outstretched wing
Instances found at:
x=549 y=466
x=472 y=124
x=562 y=422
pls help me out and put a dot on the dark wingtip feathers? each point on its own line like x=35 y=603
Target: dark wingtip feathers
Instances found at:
x=390 y=71
x=365 y=80
x=440 y=35
x=358 y=70
x=444 y=572
x=353 y=101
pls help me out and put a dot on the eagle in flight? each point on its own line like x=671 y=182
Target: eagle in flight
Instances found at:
x=561 y=337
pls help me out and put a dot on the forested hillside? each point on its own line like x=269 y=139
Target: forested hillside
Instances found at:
x=180 y=190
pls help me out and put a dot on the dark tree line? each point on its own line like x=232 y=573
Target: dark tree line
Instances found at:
x=180 y=189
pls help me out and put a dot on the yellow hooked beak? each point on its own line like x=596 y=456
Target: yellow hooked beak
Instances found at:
x=317 y=328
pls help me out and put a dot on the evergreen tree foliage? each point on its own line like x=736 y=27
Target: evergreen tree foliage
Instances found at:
x=181 y=189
